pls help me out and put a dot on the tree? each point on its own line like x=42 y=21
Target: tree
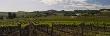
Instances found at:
x=38 y=14
x=11 y=15
x=14 y=15
x=69 y=14
x=1 y=17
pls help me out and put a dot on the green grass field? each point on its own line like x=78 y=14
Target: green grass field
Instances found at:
x=56 y=19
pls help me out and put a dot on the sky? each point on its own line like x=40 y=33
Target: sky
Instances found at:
x=38 y=5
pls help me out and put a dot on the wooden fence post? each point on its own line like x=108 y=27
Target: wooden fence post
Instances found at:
x=31 y=28
x=82 y=28
x=52 y=29
x=19 y=28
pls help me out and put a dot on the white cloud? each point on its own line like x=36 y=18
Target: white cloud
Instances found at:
x=51 y=2
x=69 y=4
x=78 y=4
x=79 y=0
x=81 y=4
x=32 y=5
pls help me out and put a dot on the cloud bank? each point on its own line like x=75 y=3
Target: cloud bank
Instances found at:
x=73 y=4
x=33 y=5
x=51 y=2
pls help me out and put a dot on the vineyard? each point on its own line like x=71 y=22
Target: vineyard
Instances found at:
x=56 y=29
x=56 y=26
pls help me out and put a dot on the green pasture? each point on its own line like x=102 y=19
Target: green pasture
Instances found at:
x=56 y=19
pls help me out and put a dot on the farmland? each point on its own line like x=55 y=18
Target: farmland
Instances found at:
x=57 y=29
x=56 y=19
x=49 y=20
x=61 y=23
